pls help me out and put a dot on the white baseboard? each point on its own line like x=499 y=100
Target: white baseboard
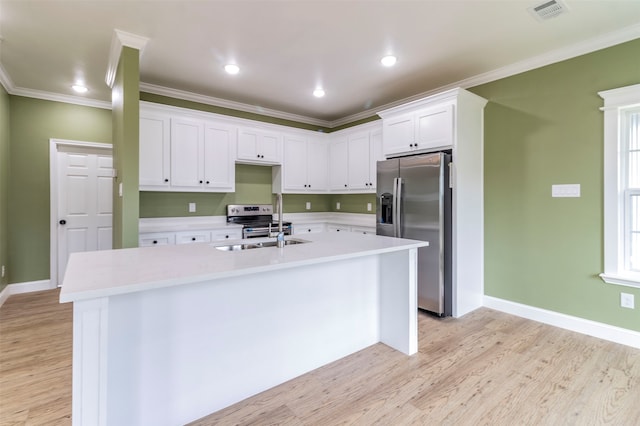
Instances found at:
x=26 y=287
x=568 y=322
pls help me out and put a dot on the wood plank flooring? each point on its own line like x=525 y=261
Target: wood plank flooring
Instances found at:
x=487 y=368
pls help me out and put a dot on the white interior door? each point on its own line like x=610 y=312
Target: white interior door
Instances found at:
x=85 y=184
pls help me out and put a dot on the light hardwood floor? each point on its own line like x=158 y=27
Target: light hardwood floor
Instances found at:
x=487 y=368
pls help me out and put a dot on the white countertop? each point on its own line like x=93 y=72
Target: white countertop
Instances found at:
x=96 y=274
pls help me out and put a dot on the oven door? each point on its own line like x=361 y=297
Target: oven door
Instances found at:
x=255 y=231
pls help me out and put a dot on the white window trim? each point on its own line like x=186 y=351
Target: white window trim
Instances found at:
x=615 y=101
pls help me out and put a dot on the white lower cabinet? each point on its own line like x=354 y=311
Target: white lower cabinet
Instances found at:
x=332 y=227
x=363 y=230
x=189 y=237
x=156 y=239
x=226 y=234
x=308 y=228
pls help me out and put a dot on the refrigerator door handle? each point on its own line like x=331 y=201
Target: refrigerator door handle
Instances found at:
x=397 y=199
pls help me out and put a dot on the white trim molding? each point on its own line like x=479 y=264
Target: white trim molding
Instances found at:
x=616 y=103
x=25 y=287
x=608 y=332
x=119 y=40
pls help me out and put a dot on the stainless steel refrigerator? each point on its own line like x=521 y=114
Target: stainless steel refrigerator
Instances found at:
x=414 y=201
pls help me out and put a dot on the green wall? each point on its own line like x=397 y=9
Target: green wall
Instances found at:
x=126 y=149
x=4 y=178
x=544 y=127
x=253 y=185
x=165 y=100
x=32 y=123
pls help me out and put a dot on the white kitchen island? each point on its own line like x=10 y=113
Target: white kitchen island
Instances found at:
x=166 y=335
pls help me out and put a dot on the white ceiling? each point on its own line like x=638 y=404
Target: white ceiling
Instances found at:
x=287 y=48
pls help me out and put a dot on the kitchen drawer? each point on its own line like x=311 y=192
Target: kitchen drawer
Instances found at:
x=226 y=234
x=308 y=228
x=337 y=228
x=156 y=239
x=363 y=230
x=189 y=237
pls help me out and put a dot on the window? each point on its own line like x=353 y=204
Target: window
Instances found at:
x=622 y=186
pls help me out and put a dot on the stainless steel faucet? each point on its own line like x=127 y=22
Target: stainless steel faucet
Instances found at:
x=280 y=237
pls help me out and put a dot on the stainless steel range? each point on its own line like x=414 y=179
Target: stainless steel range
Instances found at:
x=256 y=220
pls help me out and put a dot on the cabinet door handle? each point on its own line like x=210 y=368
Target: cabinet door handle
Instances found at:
x=166 y=180
x=200 y=181
x=155 y=241
x=62 y=222
x=193 y=238
x=207 y=182
x=345 y=185
x=226 y=236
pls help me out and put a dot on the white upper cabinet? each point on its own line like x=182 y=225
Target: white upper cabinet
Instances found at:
x=185 y=152
x=353 y=155
x=426 y=129
x=304 y=168
x=155 y=152
x=317 y=157
x=257 y=146
x=219 y=152
x=339 y=164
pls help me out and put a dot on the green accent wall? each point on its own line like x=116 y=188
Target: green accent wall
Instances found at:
x=32 y=123
x=181 y=103
x=4 y=188
x=544 y=127
x=126 y=149
x=353 y=203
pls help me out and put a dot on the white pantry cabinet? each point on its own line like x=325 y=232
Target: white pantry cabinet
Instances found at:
x=304 y=167
x=185 y=152
x=258 y=146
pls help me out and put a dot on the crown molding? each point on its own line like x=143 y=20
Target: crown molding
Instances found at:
x=119 y=40
x=5 y=80
x=224 y=103
x=57 y=97
x=607 y=40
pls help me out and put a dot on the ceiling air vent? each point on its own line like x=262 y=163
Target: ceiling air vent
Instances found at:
x=549 y=9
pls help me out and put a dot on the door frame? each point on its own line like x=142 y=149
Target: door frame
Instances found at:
x=54 y=146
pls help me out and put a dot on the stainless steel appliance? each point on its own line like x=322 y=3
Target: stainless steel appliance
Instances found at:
x=414 y=201
x=256 y=220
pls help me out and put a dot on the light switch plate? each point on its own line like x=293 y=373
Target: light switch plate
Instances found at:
x=338 y=205
x=308 y=205
x=192 y=207
x=368 y=207
x=571 y=190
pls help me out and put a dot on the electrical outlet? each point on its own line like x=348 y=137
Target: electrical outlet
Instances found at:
x=368 y=207
x=2 y=274
x=192 y=207
x=308 y=205
x=338 y=205
x=627 y=300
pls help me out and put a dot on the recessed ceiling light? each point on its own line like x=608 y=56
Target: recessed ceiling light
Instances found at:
x=79 y=88
x=232 y=69
x=388 y=61
x=318 y=93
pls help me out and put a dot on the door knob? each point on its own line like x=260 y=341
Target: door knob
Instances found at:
x=62 y=222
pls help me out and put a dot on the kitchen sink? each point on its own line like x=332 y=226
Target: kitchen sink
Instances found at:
x=262 y=244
